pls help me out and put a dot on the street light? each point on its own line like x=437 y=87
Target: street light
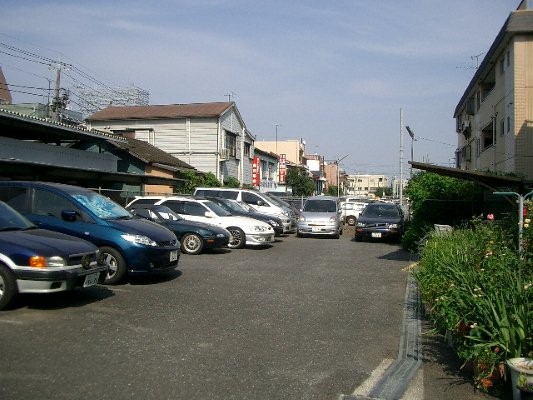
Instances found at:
x=339 y=173
x=412 y=140
x=520 y=213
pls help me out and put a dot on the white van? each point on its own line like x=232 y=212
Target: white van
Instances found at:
x=257 y=200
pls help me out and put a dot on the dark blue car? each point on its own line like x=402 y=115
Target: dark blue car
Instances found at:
x=36 y=260
x=128 y=244
x=195 y=237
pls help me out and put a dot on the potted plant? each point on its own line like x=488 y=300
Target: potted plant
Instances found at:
x=521 y=377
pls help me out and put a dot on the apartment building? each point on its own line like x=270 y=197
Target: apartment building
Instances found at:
x=365 y=184
x=494 y=117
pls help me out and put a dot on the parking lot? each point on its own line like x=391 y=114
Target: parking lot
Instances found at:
x=307 y=318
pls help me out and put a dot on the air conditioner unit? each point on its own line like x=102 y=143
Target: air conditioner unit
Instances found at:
x=223 y=154
x=465 y=126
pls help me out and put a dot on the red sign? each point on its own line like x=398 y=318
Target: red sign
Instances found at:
x=256 y=180
x=282 y=174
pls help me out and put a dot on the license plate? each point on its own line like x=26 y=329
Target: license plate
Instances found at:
x=376 y=234
x=313 y=229
x=91 y=279
x=173 y=255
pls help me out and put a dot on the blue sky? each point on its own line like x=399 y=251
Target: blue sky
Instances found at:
x=333 y=73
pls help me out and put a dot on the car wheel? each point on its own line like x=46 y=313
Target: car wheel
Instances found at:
x=8 y=286
x=298 y=234
x=238 y=240
x=350 y=221
x=115 y=264
x=191 y=243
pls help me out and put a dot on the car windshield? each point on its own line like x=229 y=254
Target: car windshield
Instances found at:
x=320 y=206
x=216 y=209
x=10 y=220
x=379 y=210
x=245 y=207
x=166 y=213
x=101 y=206
x=234 y=206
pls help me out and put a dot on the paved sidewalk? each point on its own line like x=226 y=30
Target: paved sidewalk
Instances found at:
x=440 y=373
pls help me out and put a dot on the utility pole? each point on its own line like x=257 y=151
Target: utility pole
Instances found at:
x=58 y=103
x=401 y=157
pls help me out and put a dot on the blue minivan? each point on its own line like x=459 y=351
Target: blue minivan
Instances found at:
x=128 y=244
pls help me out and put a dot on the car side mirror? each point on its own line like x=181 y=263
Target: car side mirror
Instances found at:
x=69 y=215
x=260 y=203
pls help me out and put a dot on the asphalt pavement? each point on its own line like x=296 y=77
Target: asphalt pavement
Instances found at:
x=310 y=319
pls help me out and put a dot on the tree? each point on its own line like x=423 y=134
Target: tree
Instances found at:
x=194 y=180
x=301 y=184
x=438 y=199
x=232 y=182
x=332 y=190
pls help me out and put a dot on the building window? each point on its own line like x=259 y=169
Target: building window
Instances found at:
x=231 y=144
x=487 y=137
x=247 y=148
x=264 y=169
x=502 y=127
x=508 y=55
x=508 y=124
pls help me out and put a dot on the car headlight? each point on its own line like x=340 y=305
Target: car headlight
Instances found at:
x=393 y=226
x=285 y=213
x=43 y=262
x=139 y=239
x=272 y=222
x=333 y=219
x=220 y=235
x=361 y=224
x=301 y=218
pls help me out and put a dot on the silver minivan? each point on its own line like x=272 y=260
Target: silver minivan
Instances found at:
x=257 y=200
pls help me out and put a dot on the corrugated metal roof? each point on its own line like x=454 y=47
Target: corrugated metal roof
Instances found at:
x=161 y=111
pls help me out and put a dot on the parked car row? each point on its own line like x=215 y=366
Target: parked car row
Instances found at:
x=56 y=237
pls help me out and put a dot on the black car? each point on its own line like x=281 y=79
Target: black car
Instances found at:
x=34 y=260
x=194 y=236
x=237 y=208
x=380 y=220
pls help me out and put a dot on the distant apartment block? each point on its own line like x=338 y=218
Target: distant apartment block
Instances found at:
x=364 y=185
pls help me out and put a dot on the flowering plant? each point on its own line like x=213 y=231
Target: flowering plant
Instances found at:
x=478 y=287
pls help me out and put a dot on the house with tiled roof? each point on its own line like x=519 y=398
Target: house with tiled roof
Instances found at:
x=211 y=137
x=139 y=157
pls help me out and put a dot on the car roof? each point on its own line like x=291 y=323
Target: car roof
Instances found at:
x=322 y=198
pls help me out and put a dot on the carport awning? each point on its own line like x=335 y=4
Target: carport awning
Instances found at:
x=489 y=180
x=23 y=170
